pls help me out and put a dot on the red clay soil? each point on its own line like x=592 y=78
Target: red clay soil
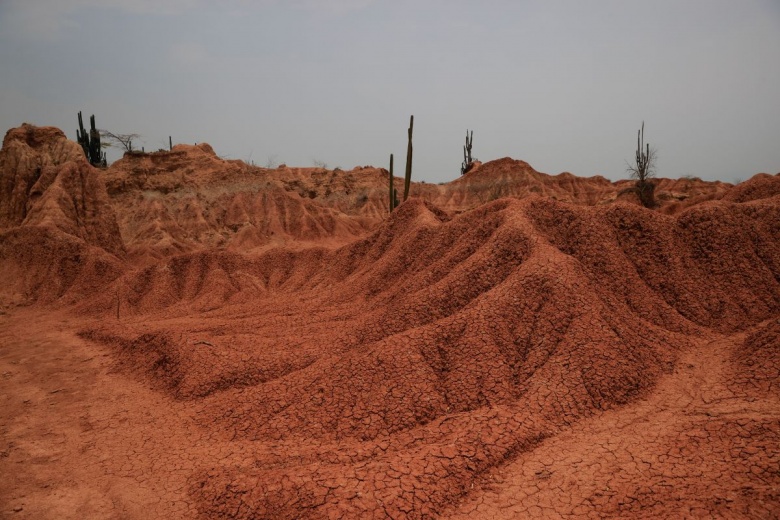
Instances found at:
x=462 y=358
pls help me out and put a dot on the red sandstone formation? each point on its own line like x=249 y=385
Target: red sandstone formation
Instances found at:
x=188 y=337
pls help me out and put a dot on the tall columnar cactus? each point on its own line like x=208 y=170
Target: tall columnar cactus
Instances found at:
x=82 y=138
x=642 y=156
x=170 y=143
x=393 y=192
x=467 y=160
x=408 y=178
x=90 y=143
x=644 y=169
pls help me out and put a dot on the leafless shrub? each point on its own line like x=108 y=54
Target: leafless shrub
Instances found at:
x=272 y=162
x=124 y=141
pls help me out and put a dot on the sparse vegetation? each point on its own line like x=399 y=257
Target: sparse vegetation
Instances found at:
x=468 y=161
x=361 y=199
x=124 y=141
x=644 y=169
x=408 y=176
x=90 y=143
x=393 y=197
x=498 y=189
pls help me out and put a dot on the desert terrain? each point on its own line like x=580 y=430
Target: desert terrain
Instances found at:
x=183 y=336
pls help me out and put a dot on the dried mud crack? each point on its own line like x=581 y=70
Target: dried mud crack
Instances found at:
x=694 y=448
x=82 y=440
x=187 y=337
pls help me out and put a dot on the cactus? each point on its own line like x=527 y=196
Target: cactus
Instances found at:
x=467 y=159
x=90 y=143
x=393 y=201
x=644 y=169
x=408 y=177
x=642 y=157
x=391 y=198
x=170 y=143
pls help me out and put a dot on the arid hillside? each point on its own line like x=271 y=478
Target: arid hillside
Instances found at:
x=189 y=199
x=217 y=340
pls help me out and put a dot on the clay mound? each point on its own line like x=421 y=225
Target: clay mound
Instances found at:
x=570 y=327
x=158 y=226
x=621 y=246
x=760 y=186
x=629 y=254
x=199 y=281
x=58 y=229
x=72 y=198
x=492 y=272
x=189 y=199
x=757 y=362
x=513 y=178
x=42 y=264
x=460 y=341
x=50 y=184
x=27 y=152
x=509 y=177
x=185 y=166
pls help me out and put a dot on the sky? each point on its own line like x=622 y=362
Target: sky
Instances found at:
x=561 y=84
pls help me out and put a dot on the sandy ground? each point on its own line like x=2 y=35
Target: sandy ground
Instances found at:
x=79 y=440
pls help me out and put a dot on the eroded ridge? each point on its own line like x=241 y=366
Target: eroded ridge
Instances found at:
x=521 y=357
x=462 y=344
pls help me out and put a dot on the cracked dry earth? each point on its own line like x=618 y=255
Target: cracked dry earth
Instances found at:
x=695 y=448
x=190 y=341
x=523 y=359
x=82 y=440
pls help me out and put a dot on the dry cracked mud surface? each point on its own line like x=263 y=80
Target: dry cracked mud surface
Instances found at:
x=695 y=448
x=187 y=337
x=83 y=440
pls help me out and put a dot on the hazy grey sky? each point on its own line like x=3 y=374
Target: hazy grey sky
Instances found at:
x=563 y=85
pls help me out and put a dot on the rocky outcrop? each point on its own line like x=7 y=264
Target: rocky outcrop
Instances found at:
x=30 y=156
x=47 y=182
x=58 y=231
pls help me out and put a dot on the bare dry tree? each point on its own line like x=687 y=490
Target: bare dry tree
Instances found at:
x=272 y=162
x=124 y=141
x=644 y=169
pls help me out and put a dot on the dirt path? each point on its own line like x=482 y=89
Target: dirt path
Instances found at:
x=692 y=449
x=77 y=441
